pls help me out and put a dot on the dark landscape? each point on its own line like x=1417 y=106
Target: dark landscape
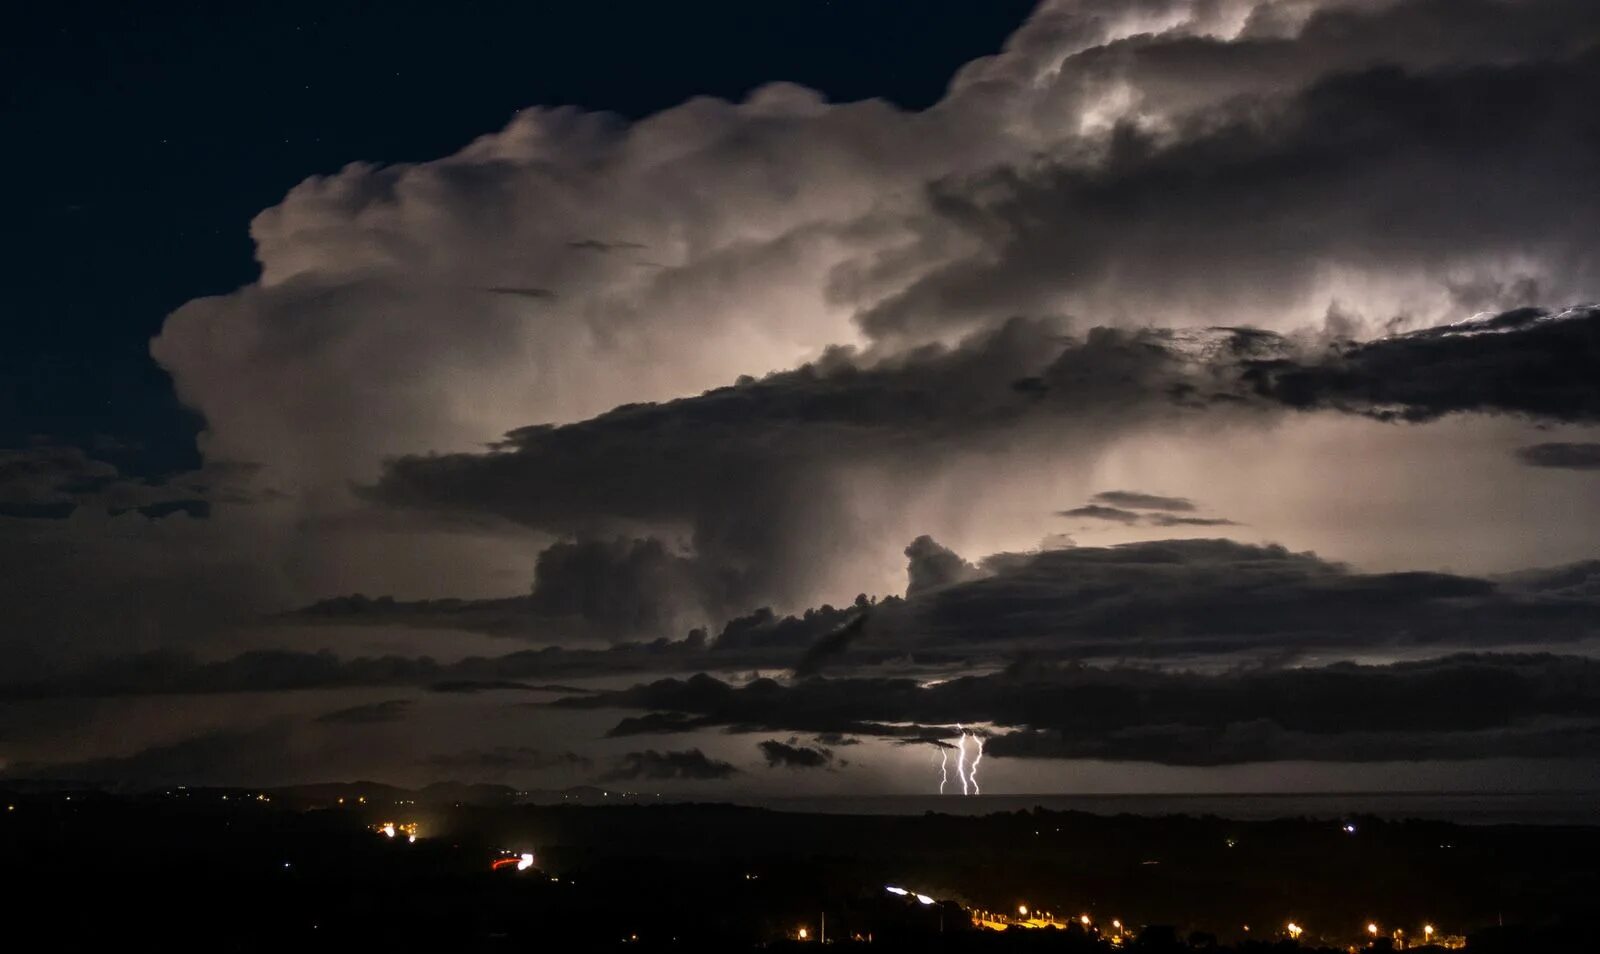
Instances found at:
x=265 y=870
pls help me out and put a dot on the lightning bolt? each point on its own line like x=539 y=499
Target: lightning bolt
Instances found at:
x=944 y=773
x=973 y=772
x=961 y=758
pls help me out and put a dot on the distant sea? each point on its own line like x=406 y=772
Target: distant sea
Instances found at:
x=1467 y=808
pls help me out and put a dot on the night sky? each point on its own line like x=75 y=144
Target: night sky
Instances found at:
x=1179 y=395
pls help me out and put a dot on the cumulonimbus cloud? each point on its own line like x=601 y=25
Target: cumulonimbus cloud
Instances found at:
x=1133 y=165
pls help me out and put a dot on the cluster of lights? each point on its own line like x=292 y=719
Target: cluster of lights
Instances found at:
x=1295 y=930
x=391 y=829
x=522 y=861
x=902 y=892
x=1035 y=917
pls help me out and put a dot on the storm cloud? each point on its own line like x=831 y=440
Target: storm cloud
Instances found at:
x=1343 y=712
x=668 y=396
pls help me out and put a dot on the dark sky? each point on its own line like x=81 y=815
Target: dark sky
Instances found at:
x=145 y=137
x=1181 y=395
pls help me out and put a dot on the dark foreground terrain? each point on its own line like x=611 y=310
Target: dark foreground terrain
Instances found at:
x=301 y=870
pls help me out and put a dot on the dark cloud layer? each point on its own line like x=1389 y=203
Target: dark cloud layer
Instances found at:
x=1157 y=599
x=1134 y=500
x=652 y=765
x=1527 y=361
x=389 y=710
x=1541 y=705
x=789 y=755
x=52 y=481
x=1097 y=512
x=740 y=466
x=611 y=589
x=1568 y=456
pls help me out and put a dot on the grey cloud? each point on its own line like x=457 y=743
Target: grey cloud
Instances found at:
x=836 y=739
x=830 y=645
x=1169 y=520
x=468 y=686
x=1527 y=361
x=52 y=481
x=1097 y=512
x=653 y=765
x=389 y=710
x=793 y=756
x=1134 y=500
x=1282 y=181
x=932 y=565
x=610 y=589
x=1568 y=456
x=538 y=294
x=596 y=245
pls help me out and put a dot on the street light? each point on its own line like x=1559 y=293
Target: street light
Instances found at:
x=1084 y=920
x=1372 y=929
x=1427 y=931
x=1295 y=930
x=803 y=934
x=1022 y=909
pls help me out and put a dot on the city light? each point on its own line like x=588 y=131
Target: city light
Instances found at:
x=1022 y=909
x=1427 y=931
x=1295 y=930
x=1084 y=920
x=803 y=934
x=924 y=899
x=525 y=862
x=1372 y=929
x=893 y=890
